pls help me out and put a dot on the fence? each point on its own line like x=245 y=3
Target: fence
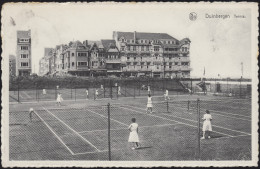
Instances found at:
x=93 y=89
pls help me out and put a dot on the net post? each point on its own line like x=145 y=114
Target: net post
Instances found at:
x=198 y=122
x=167 y=104
x=191 y=86
x=188 y=105
x=71 y=92
x=109 y=143
x=18 y=91
x=75 y=93
x=134 y=91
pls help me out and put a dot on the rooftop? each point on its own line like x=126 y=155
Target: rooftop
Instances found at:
x=24 y=34
x=144 y=35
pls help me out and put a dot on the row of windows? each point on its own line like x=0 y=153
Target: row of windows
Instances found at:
x=170 y=63
x=24 y=64
x=24 y=47
x=184 y=49
x=147 y=41
x=24 y=40
x=24 y=56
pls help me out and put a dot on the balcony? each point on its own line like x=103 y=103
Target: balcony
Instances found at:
x=171 y=52
x=113 y=61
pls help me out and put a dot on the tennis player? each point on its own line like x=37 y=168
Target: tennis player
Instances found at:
x=166 y=95
x=149 y=89
x=59 y=99
x=149 y=108
x=206 y=124
x=119 y=90
x=31 y=111
x=96 y=94
x=133 y=136
x=44 y=91
x=86 y=94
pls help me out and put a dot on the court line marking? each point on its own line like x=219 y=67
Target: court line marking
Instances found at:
x=174 y=121
x=107 y=118
x=202 y=122
x=28 y=96
x=101 y=151
x=218 y=113
x=55 y=134
x=92 y=131
x=233 y=137
x=71 y=129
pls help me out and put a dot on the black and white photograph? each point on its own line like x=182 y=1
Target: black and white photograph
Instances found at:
x=129 y=84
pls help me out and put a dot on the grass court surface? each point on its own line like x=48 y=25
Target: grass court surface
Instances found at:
x=78 y=130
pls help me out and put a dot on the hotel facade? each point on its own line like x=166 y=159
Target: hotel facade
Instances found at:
x=131 y=54
x=23 y=53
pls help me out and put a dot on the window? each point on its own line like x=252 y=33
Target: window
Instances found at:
x=141 y=58
x=142 y=48
x=24 y=56
x=81 y=54
x=128 y=41
x=170 y=58
x=176 y=63
x=24 y=48
x=157 y=66
x=128 y=48
x=24 y=40
x=156 y=48
x=24 y=64
x=156 y=57
x=170 y=66
x=147 y=48
x=81 y=63
x=128 y=63
x=141 y=41
x=134 y=48
x=72 y=54
x=134 y=58
x=72 y=64
x=128 y=58
x=122 y=48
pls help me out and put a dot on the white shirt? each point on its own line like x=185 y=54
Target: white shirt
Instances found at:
x=207 y=117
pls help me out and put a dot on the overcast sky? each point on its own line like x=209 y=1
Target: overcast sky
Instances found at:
x=219 y=45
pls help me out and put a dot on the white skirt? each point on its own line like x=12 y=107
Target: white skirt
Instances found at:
x=207 y=126
x=133 y=137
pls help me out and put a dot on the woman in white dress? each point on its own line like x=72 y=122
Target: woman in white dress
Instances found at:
x=149 y=104
x=86 y=94
x=59 y=99
x=206 y=124
x=96 y=94
x=133 y=136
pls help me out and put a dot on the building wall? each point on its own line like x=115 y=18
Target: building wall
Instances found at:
x=23 y=53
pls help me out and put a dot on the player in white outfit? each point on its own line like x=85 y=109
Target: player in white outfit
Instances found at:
x=133 y=136
x=59 y=99
x=206 y=124
x=86 y=94
x=96 y=94
x=44 y=91
x=149 y=108
x=166 y=95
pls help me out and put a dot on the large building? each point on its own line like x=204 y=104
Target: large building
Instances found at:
x=23 y=53
x=153 y=54
x=12 y=65
x=45 y=62
x=128 y=54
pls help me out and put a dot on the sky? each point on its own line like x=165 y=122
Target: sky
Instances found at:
x=218 y=45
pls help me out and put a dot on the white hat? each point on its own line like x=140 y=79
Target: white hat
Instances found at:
x=31 y=109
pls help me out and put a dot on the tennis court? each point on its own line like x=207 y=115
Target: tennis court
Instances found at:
x=80 y=130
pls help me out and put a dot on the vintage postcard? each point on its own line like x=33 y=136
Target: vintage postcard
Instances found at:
x=129 y=84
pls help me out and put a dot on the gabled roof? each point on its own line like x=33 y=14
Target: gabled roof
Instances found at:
x=77 y=45
x=143 y=35
x=183 y=41
x=107 y=43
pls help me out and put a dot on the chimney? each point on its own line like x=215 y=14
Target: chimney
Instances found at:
x=134 y=36
x=85 y=43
